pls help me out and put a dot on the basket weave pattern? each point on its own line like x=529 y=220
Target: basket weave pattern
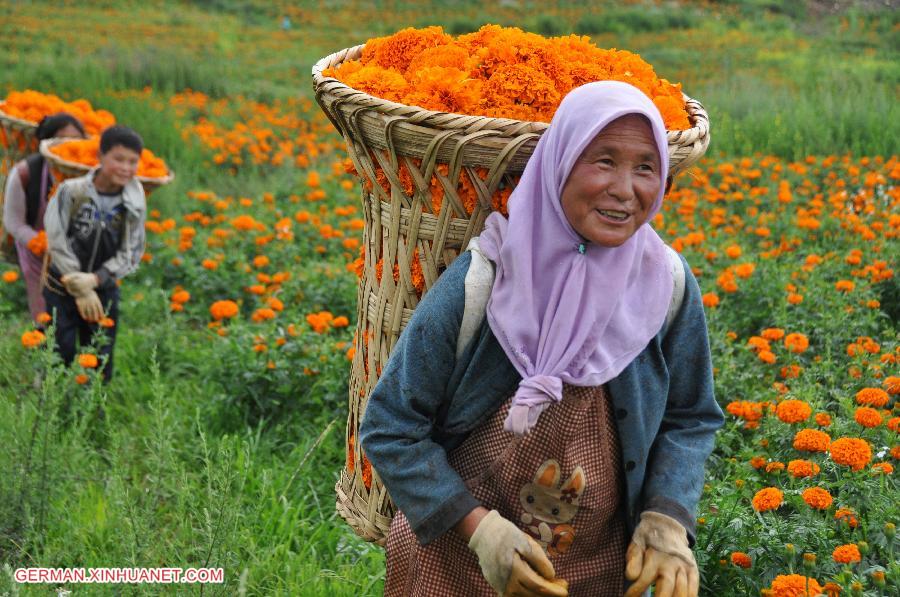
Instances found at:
x=17 y=136
x=404 y=232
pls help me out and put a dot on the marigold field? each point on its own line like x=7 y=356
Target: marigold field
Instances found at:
x=219 y=441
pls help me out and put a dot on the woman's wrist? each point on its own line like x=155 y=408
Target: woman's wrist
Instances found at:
x=465 y=527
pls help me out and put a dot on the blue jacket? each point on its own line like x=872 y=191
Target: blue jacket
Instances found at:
x=427 y=402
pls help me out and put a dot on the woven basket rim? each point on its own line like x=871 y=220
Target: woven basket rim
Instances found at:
x=46 y=144
x=18 y=121
x=698 y=126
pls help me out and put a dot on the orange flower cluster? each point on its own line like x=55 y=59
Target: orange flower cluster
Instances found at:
x=220 y=310
x=803 y=468
x=769 y=498
x=793 y=411
x=811 y=440
x=87 y=152
x=242 y=132
x=794 y=585
x=850 y=451
x=817 y=498
x=872 y=397
x=33 y=105
x=846 y=514
x=501 y=72
x=739 y=558
x=323 y=321
x=33 y=339
x=38 y=243
x=846 y=554
x=868 y=417
x=88 y=361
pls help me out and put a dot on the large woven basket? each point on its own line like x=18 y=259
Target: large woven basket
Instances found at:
x=63 y=169
x=17 y=136
x=382 y=137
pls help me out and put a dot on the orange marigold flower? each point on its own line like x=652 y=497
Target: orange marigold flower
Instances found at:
x=872 y=397
x=81 y=379
x=794 y=585
x=774 y=467
x=10 y=276
x=711 y=300
x=817 y=498
x=894 y=424
x=793 y=411
x=263 y=314
x=769 y=498
x=796 y=342
x=33 y=338
x=850 y=451
x=823 y=419
x=891 y=383
x=885 y=468
x=739 y=558
x=181 y=297
x=87 y=360
x=43 y=318
x=766 y=356
x=867 y=417
x=791 y=371
x=758 y=462
x=811 y=440
x=846 y=554
x=107 y=322
x=223 y=310
x=803 y=468
x=844 y=286
x=772 y=333
x=847 y=515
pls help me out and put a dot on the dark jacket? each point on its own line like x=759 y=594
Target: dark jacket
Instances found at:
x=427 y=402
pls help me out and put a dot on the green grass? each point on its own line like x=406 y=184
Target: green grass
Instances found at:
x=196 y=454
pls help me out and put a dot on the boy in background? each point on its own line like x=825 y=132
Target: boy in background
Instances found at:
x=95 y=236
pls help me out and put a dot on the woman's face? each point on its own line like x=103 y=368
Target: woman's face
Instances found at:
x=68 y=132
x=612 y=187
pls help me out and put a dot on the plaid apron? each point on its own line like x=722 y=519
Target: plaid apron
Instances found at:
x=561 y=484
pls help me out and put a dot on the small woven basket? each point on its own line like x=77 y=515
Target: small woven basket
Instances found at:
x=63 y=169
x=403 y=146
x=17 y=136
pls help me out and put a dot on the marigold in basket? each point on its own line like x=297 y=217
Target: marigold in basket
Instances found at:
x=33 y=105
x=87 y=151
x=500 y=72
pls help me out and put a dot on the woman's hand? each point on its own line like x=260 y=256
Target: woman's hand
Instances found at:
x=659 y=555
x=511 y=561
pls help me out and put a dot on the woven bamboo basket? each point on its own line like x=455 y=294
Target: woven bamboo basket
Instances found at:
x=63 y=169
x=403 y=230
x=17 y=136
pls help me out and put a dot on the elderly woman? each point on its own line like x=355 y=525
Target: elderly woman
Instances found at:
x=27 y=188
x=559 y=447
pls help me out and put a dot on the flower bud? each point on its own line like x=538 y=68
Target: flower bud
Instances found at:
x=809 y=561
x=890 y=529
x=863 y=547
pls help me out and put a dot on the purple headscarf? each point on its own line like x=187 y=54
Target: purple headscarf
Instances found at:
x=562 y=315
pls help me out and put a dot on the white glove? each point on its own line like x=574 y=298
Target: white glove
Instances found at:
x=659 y=555
x=89 y=307
x=78 y=284
x=512 y=562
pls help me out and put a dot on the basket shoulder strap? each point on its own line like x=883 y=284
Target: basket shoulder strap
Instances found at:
x=479 y=281
x=677 y=269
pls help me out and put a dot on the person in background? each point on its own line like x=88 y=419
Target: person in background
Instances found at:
x=26 y=195
x=95 y=235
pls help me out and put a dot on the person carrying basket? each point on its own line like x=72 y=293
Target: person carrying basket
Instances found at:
x=26 y=195
x=558 y=447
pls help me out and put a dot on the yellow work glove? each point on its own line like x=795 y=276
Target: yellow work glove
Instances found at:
x=79 y=283
x=512 y=562
x=659 y=555
x=89 y=307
